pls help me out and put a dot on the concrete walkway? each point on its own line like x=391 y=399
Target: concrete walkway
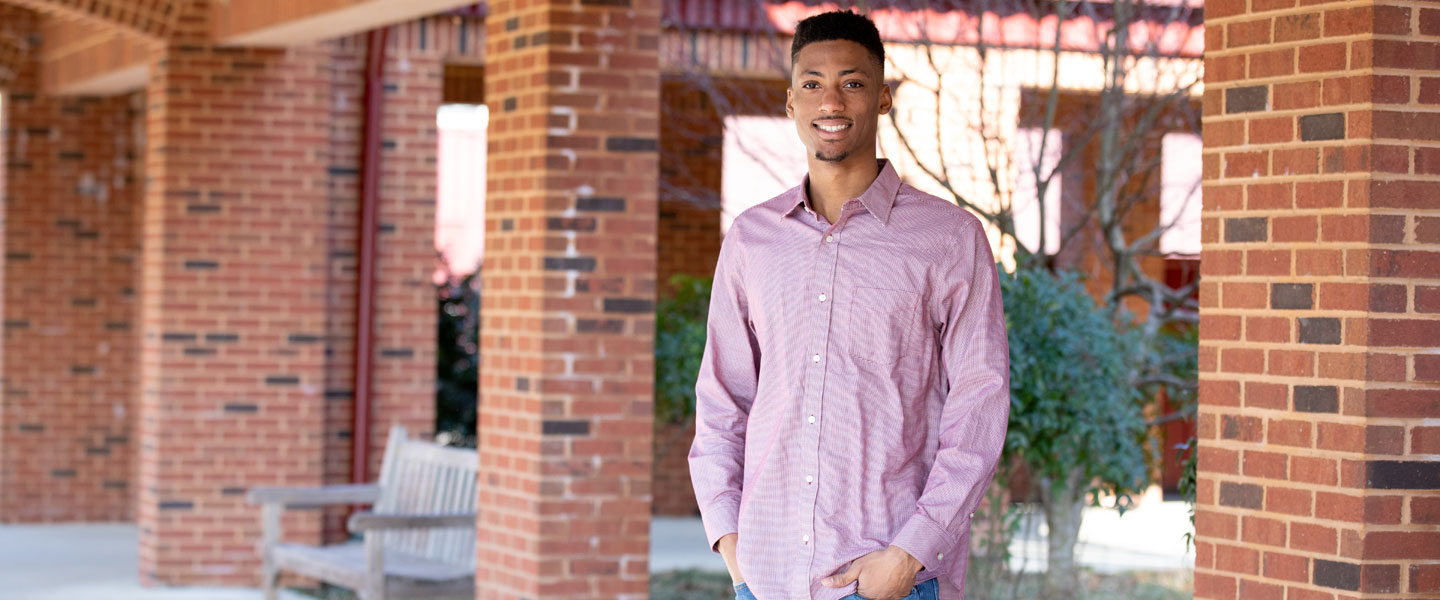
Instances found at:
x=85 y=561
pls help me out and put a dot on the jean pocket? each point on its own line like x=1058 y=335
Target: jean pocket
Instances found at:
x=742 y=592
x=880 y=323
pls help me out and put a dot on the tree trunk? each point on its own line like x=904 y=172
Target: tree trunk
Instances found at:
x=1063 y=509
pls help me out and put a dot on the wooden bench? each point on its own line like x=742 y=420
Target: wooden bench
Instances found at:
x=419 y=536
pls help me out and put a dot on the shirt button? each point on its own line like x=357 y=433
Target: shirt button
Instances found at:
x=806 y=539
x=829 y=238
x=812 y=418
x=809 y=479
x=815 y=358
x=822 y=297
x=940 y=556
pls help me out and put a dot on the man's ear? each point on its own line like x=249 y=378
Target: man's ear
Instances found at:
x=790 y=102
x=887 y=100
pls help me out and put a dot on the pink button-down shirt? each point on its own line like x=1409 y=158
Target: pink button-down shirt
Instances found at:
x=854 y=391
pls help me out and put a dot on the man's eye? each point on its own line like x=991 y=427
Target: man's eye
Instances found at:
x=809 y=85
x=854 y=84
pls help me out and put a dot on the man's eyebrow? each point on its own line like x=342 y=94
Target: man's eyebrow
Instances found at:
x=842 y=73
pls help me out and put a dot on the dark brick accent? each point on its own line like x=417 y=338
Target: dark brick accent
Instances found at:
x=1317 y=399
x=614 y=3
x=17 y=256
x=397 y=352
x=522 y=384
x=97 y=451
x=599 y=326
x=282 y=380
x=1387 y=298
x=17 y=324
x=303 y=338
x=82 y=369
x=1336 y=575
x=82 y=302
x=600 y=204
x=62 y=473
x=1246 y=429
x=202 y=209
x=221 y=337
x=233 y=491
x=338 y=394
x=117 y=325
x=32 y=428
x=1246 y=99
x=521 y=42
x=511 y=104
x=1319 y=330
x=569 y=263
x=564 y=224
x=629 y=305
x=87 y=235
x=1291 y=296
x=630 y=144
x=199 y=351
x=336 y=171
x=202 y=264
x=387 y=228
x=1402 y=475
x=1251 y=229
x=1329 y=126
x=507 y=224
x=1241 y=495
x=115 y=485
x=550 y=427
x=117 y=439
x=177 y=336
x=512 y=23
x=242 y=408
x=72 y=155
x=177 y=505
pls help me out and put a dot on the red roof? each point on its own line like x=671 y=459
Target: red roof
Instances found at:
x=1174 y=30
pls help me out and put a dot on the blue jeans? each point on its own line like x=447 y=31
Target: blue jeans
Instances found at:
x=925 y=590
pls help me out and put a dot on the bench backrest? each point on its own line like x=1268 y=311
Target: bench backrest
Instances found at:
x=420 y=477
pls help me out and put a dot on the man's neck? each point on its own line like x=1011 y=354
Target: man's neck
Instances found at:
x=833 y=184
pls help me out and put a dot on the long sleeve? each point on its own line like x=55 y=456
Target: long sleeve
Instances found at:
x=724 y=392
x=975 y=356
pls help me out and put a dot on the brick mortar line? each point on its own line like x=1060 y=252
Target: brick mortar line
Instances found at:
x=1318 y=76
x=1314 y=9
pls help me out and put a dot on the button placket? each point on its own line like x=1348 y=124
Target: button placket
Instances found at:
x=814 y=391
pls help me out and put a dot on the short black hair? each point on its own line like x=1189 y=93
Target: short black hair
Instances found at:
x=839 y=25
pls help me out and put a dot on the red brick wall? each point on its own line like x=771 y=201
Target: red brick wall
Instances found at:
x=1318 y=476
x=71 y=271
x=566 y=337
x=251 y=236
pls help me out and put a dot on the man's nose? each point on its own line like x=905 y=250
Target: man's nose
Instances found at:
x=831 y=101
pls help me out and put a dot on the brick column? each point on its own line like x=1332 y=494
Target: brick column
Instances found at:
x=1319 y=475
x=247 y=301
x=71 y=186
x=568 y=303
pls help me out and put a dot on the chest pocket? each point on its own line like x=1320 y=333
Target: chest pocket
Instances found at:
x=881 y=321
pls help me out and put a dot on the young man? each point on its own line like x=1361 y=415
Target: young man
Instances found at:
x=854 y=391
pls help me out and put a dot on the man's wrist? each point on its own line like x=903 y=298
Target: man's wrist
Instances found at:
x=913 y=563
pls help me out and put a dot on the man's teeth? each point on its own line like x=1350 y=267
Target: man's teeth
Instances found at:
x=832 y=128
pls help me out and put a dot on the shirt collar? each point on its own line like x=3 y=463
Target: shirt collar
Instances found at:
x=878 y=199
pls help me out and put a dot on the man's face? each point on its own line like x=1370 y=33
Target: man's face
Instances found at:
x=836 y=97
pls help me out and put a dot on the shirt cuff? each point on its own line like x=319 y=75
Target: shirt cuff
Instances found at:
x=720 y=519
x=925 y=540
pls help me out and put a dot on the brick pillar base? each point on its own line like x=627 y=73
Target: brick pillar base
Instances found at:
x=568 y=304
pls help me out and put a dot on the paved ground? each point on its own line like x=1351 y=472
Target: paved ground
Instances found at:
x=81 y=562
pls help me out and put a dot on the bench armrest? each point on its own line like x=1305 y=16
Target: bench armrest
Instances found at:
x=363 y=493
x=369 y=521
